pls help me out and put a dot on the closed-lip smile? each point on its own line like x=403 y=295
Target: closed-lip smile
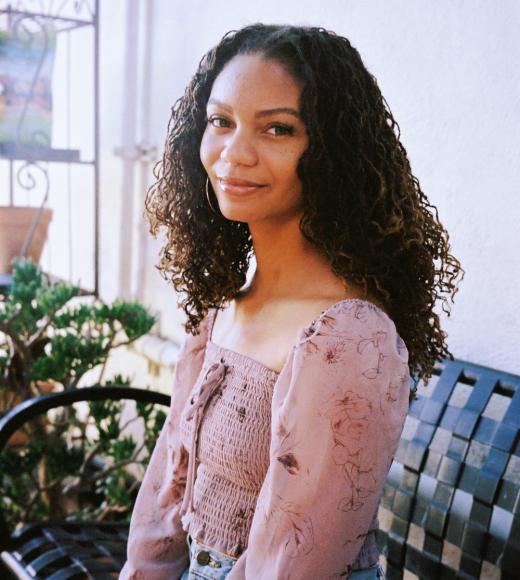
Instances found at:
x=234 y=181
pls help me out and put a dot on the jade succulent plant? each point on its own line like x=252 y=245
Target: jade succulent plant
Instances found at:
x=44 y=339
x=73 y=461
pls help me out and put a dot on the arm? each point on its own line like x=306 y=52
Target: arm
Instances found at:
x=157 y=546
x=337 y=418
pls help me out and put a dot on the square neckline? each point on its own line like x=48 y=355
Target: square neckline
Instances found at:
x=237 y=355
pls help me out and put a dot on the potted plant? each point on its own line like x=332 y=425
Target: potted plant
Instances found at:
x=23 y=232
x=74 y=459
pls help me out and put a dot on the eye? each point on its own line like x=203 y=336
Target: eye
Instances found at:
x=279 y=129
x=218 y=122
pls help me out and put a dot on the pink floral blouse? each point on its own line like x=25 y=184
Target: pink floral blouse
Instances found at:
x=283 y=470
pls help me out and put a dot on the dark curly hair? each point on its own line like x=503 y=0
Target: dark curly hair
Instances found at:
x=363 y=208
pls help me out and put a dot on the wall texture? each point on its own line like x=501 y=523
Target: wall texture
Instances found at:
x=448 y=70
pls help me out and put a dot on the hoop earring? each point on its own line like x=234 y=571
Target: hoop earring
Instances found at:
x=209 y=200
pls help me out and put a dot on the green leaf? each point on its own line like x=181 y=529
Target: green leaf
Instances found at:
x=123 y=449
x=63 y=460
x=133 y=317
x=68 y=356
x=118 y=380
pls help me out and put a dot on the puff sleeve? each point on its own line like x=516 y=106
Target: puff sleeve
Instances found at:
x=157 y=547
x=338 y=411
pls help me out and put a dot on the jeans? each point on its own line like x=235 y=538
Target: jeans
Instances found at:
x=206 y=563
x=213 y=565
x=375 y=572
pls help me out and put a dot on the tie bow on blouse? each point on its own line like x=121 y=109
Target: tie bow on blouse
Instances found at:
x=211 y=383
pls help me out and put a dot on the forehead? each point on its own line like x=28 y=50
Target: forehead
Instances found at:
x=256 y=81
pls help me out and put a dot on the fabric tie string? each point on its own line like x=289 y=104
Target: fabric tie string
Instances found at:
x=209 y=386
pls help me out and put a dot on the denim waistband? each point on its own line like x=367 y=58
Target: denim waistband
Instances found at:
x=190 y=539
x=210 y=564
x=206 y=563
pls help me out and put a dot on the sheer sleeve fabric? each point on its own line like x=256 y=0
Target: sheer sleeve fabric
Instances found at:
x=338 y=411
x=157 y=546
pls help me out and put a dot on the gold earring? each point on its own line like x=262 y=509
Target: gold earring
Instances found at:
x=209 y=200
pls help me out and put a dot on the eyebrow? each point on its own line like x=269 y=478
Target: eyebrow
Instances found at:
x=264 y=113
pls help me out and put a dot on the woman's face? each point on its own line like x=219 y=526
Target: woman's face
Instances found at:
x=254 y=139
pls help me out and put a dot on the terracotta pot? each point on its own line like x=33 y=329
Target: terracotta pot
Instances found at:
x=15 y=227
x=17 y=438
x=20 y=437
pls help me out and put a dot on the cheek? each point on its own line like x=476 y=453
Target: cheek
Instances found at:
x=207 y=151
x=288 y=164
x=291 y=156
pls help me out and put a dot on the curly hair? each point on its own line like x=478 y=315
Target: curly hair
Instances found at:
x=363 y=208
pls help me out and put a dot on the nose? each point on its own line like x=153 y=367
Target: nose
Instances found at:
x=239 y=149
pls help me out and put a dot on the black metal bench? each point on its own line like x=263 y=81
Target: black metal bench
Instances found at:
x=59 y=550
x=450 y=508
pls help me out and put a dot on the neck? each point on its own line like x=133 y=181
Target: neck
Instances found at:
x=288 y=266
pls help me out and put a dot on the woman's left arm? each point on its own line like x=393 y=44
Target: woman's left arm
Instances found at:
x=337 y=416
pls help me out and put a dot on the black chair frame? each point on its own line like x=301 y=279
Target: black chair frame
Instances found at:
x=71 y=549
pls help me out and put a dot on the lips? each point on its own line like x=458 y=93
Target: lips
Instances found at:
x=237 y=181
x=237 y=185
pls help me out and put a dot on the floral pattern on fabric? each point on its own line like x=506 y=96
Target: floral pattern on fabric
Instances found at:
x=309 y=507
x=337 y=418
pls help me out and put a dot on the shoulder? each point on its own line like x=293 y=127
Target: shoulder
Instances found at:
x=349 y=359
x=190 y=359
x=195 y=344
x=355 y=323
x=352 y=340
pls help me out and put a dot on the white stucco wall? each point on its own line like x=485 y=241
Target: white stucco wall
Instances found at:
x=449 y=72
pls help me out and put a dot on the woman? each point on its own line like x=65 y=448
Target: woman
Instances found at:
x=291 y=393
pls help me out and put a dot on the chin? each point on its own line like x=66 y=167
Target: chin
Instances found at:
x=238 y=214
x=241 y=212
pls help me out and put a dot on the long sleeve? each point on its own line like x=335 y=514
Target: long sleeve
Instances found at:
x=157 y=548
x=338 y=411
